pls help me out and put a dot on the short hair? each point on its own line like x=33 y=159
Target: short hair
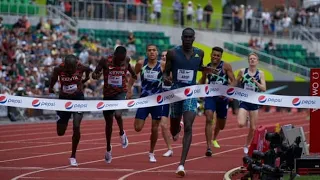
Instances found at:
x=188 y=29
x=120 y=50
x=253 y=54
x=70 y=58
x=151 y=45
x=219 y=49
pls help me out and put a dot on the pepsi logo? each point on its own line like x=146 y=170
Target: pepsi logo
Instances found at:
x=68 y=105
x=3 y=99
x=206 y=90
x=100 y=105
x=130 y=103
x=36 y=103
x=296 y=101
x=159 y=99
x=262 y=99
x=188 y=92
x=230 y=91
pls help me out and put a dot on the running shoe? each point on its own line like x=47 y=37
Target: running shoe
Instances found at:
x=124 y=140
x=215 y=144
x=180 y=171
x=73 y=162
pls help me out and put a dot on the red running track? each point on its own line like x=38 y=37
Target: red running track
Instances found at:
x=34 y=151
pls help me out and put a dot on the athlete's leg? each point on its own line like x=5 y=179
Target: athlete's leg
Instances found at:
x=166 y=135
x=154 y=134
x=108 y=117
x=175 y=117
x=253 y=116
x=118 y=117
x=242 y=115
x=77 y=118
x=209 y=106
x=221 y=119
x=62 y=122
x=141 y=115
x=189 y=114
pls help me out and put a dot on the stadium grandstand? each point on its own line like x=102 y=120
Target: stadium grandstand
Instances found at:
x=36 y=35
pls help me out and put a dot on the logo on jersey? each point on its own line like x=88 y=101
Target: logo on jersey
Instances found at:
x=130 y=103
x=230 y=91
x=68 y=105
x=100 y=105
x=206 y=90
x=3 y=99
x=262 y=99
x=188 y=92
x=36 y=103
x=159 y=99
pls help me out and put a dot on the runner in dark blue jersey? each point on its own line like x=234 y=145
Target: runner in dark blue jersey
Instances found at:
x=223 y=75
x=251 y=79
x=183 y=62
x=150 y=71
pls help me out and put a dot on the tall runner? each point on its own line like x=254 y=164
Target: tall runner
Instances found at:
x=183 y=62
x=70 y=74
x=150 y=71
x=164 y=117
x=251 y=79
x=115 y=68
x=222 y=74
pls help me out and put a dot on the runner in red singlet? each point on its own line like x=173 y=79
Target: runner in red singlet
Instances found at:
x=70 y=74
x=115 y=68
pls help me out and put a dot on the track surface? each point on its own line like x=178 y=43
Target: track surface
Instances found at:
x=34 y=151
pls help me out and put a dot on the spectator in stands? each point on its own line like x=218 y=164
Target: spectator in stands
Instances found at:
x=177 y=8
x=271 y=47
x=199 y=16
x=249 y=16
x=208 y=10
x=189 y=12
x=157 y=6
x=266 y=20
x=131 y=44
x=286 y=23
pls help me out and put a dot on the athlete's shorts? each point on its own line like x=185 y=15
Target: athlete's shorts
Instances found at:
x=165 y=110
x=218 y=105
x=64 y=116
x=155 y=111
x=248 y=106
x=120 y=96
x=178 y=108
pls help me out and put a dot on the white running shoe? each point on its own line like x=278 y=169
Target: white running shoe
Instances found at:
x=169 y=153
x=124 y=140
x=73 y=162
x=108 y=156
x=245 y=149
x=180 y=171
x=152 y=158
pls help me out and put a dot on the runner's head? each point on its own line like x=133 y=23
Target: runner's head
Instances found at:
x=253 y=59
x=152 y=52
x=120 y=55
x=70 y=64
x=187 y=38
x=164 y=56
x=216 y=55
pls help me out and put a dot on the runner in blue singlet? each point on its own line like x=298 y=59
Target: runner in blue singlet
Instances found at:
x=164 y=117
x=222 y=74
x=183 y=62
x=150 y=71
x=251 y=79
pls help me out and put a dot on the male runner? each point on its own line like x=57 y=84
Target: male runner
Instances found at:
x=222 y=74
x=70 y=73
x=115 y=68
x=150 y=71
x=183 y=61
x=251 y=79
x=165 y=115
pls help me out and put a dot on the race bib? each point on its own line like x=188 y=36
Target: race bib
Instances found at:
x=216 y=82
x=249 y=87
x=151 y=75
x=115 y=81
x=185 y=76
x=69 y=89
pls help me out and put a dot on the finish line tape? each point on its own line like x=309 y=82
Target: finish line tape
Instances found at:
x=196 y=91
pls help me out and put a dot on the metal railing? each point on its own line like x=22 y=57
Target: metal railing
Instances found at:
x=124 y=12
x=281 y=64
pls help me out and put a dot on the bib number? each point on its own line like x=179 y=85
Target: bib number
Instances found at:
x=185 y=76
x=70 y=89
x=115 y=81
x=249 y=87
x=151 y=75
